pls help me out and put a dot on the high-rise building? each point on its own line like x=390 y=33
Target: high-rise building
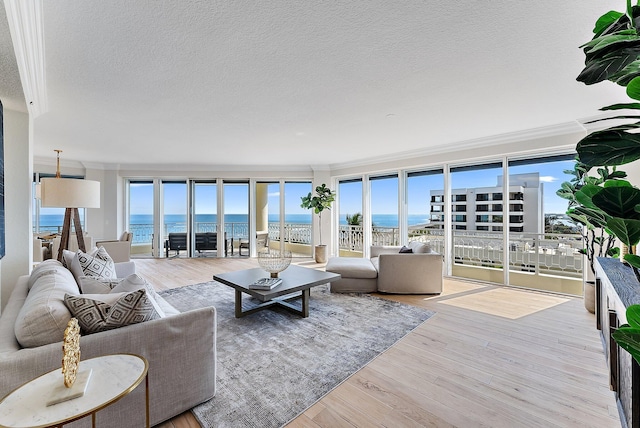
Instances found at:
x=482 y=208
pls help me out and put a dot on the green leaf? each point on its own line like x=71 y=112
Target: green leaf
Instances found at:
x=606 y=20
x=611 y=146
x=618 y=201
x=585 y=195
x=633 y=314
x=626 y=230
x=633 y=89
x=602 y=67
x=617 y=183
x=633 y=260
x=629 y=339
x=624 y=106
x=627 y=74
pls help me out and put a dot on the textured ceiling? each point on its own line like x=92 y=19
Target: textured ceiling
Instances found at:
x=11 y=93
x=305 y=83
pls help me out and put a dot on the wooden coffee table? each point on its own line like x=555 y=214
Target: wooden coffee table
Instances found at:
x=294 y=279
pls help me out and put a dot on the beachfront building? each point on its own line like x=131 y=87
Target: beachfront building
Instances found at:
x=482 y=208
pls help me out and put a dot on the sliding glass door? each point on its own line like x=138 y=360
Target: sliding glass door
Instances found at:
x=477 y=221
x=544 y=243
x=350 y=218
x=141 y=218
x=236 y=217
x=425 y=208
x=384 y=210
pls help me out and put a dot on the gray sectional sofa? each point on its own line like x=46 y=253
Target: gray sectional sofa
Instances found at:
x=180 y=349
x=418 y=271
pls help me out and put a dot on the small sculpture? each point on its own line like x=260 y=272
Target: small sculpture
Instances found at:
x=71 y=352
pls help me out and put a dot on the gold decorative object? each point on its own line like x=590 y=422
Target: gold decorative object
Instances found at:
x=71 y=352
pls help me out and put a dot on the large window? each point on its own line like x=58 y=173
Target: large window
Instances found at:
x=477 y=248
x=424 y=196
x=298 y=221
x=141 y=219
x=236 y=213
x=384 y=210
x=175 y=203
x=350 y=224
x=543 y=241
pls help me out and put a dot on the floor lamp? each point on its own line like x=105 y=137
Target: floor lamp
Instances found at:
x=69 y=193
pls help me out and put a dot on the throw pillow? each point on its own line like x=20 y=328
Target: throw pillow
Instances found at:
x=99 y=264
x=419 y=247
x=95 y=316
x=405 y=249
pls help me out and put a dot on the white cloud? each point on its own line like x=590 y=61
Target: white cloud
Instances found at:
x=547 y=179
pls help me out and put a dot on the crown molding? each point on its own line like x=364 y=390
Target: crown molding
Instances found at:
x=494 y=140
x=26 y=26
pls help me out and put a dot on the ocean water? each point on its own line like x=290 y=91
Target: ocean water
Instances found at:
x=380 y=220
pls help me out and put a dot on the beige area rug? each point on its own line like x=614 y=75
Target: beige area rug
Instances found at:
x=272 y=365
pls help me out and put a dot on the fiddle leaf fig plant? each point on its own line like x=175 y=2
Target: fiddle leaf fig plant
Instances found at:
x=614 y=54
x=319 y=202
x=598 y=240
x=628 y=335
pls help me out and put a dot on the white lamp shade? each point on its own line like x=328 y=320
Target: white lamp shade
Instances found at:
x=70 y=193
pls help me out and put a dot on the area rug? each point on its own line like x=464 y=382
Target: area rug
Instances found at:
x=272 y=365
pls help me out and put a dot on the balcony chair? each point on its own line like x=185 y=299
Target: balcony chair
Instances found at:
x=119 y=250
x=262 y=241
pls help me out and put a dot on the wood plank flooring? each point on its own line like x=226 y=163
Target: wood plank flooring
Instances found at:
x=490 y=357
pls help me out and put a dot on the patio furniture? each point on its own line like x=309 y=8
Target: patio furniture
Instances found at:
x=205 y=241
x=119 y=250
x=262 y=241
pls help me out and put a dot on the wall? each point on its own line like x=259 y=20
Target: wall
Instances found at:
x=18 y=175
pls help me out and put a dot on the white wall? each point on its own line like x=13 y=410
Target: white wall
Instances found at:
x=18 y=175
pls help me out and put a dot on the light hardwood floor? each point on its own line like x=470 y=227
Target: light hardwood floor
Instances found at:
x=491 y=356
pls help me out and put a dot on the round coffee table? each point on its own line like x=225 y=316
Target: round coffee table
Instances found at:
x=112 y=377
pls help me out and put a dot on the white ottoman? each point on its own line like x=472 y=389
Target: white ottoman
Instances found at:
x=358 y=275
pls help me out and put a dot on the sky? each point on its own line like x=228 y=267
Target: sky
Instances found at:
x=384 y=193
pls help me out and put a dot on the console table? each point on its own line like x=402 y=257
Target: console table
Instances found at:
x=113 y=377
x=616 y=289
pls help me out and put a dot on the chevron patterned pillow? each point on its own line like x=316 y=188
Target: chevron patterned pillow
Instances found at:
x=96 y=315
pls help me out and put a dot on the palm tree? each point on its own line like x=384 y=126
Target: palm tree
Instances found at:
x=353 y=220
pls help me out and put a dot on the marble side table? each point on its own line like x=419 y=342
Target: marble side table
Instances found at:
x=112 y=377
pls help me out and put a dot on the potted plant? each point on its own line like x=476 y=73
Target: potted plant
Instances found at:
x=614 y=54
x=319 y=202
x=598 y=241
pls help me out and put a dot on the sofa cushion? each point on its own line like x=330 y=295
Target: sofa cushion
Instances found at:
x=44 y=316
x=419 y=247
x=405 y=250
x=351 y=267
x=132 y=282
x=94 y=285
x=95 y=315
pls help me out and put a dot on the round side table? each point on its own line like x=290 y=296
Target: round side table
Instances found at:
x=112 y=377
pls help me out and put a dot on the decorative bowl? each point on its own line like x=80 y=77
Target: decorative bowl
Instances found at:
x=274 y=261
